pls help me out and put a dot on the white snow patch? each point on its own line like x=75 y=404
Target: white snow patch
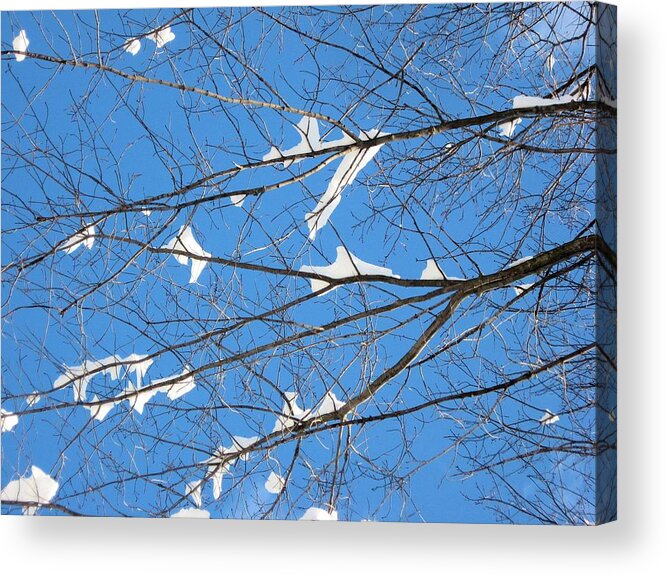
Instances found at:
x=86 y=238
x=520 y=288
x=179 y=388
x=138 y=397
x=308 y=131
x=184 y=241
x=238 y=199
x=139 y=365
x=507 y=128
x=582 y=91
x=162 y=37
x=7 y=420
x=345 y=265
x=275 y=483
x=292 y=413
x=536 y=101
x=80 y=375
x=229 y=455
x=318 y=514
x=548 y=418
x=191 y=513
x=21 y=44
x=550 y=63
x=32 y=399
x=218 y=470
x=432 y=271
x=100 y=411
x=350 y=167
x=193 y=489
x=518 y=262
x=36 y=489
x=330 y=404
x=133 y=45
x=240 y=443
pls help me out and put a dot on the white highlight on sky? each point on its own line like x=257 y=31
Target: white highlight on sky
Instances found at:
x=36 y=489
x=21 y=44
x=345 y=265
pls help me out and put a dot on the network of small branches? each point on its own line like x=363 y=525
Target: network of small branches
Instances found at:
x=245 y=148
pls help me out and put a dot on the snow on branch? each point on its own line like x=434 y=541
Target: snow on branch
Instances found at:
x=318 y=514
x=548 y=418
x=275 y=483
x=179 y=388
x=184 y=241
x=507 y=128
x=432 y=271
x=7 y=420
x=345 y=265
x=33 y=490
x=351 y=165
x=20 y=44
x=133 y=45
x=86 y=238
x=162 y=37
x=191 y=513
x=220 y=464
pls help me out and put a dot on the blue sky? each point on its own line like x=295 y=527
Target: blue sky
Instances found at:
x=141 y=140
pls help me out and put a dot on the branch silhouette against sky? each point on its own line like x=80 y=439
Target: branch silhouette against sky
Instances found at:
x=336 y=262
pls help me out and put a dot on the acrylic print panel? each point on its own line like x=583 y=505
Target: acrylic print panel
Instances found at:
x=332 y=263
